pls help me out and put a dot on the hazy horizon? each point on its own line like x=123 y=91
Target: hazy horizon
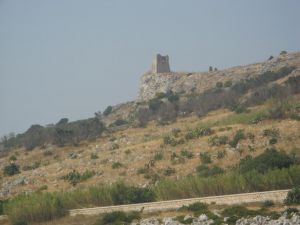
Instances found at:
x=72 y=58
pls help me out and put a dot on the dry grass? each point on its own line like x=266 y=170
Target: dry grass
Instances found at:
x=137 y=146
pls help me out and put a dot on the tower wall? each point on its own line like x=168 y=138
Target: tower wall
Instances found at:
x=160 y=64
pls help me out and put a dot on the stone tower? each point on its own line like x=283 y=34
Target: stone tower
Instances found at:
x=160 y=64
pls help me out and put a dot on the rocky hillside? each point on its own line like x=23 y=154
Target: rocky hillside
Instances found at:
x=197 y=82
x=238 y=129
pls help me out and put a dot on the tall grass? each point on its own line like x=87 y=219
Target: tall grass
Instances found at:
x=47 y=206
x=229 y=183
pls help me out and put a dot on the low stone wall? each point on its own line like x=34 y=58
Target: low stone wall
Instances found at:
x=276 y=196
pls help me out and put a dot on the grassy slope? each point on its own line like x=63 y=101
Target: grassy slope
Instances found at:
x=137 y=147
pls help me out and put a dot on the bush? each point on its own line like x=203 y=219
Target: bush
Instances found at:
x=219 y=84
x=116 y=165
x=236 y=212
x=72 y=177
x=239 y=135
x=107 y=111
x=273 y=141
x=31 y=167
x=205 y=171
x=205 y=157
x=20 y=222
x=270 y=159
x=172 y=97
x=119 y=122
x=94 y=156
x=118 y=218
x=240 y=109
x=283 y=52
x=221 y=154
x=182 y=220
x=291 y=210
x=293 y=196
x=198 y=132
x=273 y=133
x=13 y=158
x=169 y=140
x=158 y=156
x=195 y=207
x=187 y=154
x=268 y=203
x=122 y=194
x=228 y=83
x=75 y=177
x=11 y=169
x=169 y=171
x=154 y=104
x=218 y=140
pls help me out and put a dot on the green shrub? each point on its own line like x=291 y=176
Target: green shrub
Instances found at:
x=13 y=158
x=116 y=165
x=195 y=207
x=154 y=104
x=219 y=84
x=169 y=140
x=187 y=154
x=94 y=156
x=87 y=175
x=205 y=157
x=172 y=97
x=198 y=132
x=118 y=218
x=240 y=109
x=273 y=133
x=107 y=111
x=169 y=171
x=283 y=52
x=291 y=210
x=32 y=167
x=221 y=154
x=181 y=220
x=273 y=141
x=239 y=135
x=228 y=83
x=218 y=140
x=205 y=171
x=270 y=159
x=11 y=169
x=293 y=196
x=20 y=222
x=268 y=203
x=122 y=194
x=120 y=122
x=158 y=156
x=236 y=212
x=72 y=177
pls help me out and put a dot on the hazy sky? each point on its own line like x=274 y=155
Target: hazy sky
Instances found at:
x=62 y=58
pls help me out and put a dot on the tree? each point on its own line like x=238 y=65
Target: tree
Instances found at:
x=107 y=111
x=283 y=52
x=210 y=69
x=11 y=169
x=62 y=121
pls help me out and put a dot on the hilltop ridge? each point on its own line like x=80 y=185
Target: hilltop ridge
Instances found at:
x=197 y=82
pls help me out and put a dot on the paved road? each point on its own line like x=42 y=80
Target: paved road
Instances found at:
x=276 y=196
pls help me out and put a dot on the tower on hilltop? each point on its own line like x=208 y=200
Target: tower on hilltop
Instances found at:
x=160 y=64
